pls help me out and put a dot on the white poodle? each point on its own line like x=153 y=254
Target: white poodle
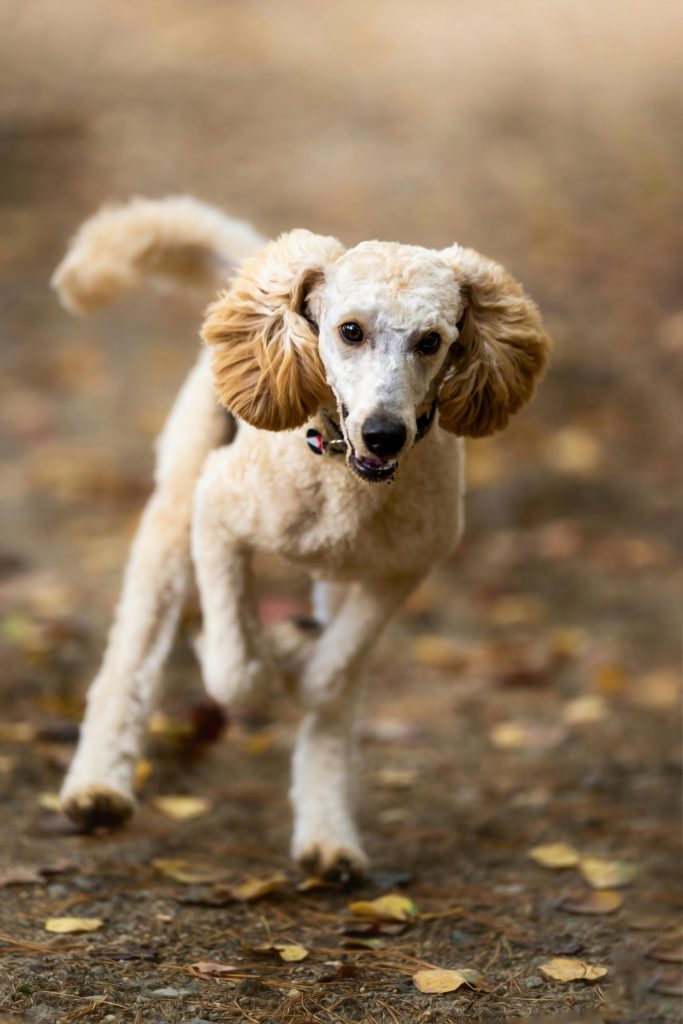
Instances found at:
x=350 y=378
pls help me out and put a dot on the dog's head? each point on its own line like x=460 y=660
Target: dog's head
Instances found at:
x=376 y=335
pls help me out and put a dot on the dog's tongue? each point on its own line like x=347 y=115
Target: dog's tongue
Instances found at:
x=372 y=462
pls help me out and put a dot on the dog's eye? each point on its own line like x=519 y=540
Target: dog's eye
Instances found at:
x=352 y=333
x=429 y=344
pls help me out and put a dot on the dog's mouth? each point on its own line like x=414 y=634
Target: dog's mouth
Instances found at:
x=372 y=468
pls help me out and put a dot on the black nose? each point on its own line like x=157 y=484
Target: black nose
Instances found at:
x=384 y=435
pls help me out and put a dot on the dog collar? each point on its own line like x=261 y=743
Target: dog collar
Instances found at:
x=336 y=445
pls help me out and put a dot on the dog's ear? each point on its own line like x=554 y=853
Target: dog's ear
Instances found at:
x=265 y=360
x=501 y=352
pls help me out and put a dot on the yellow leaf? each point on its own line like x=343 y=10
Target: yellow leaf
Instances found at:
x=440 y=652
x=604 y=902
x=438 y=979
x=565 y=968
x=396 y=778
x=291 y=952
x=392 y=907
x=253 y=888
x=72 y=925
x=583 y=710
x=555 y=855
x=187 y=872
x=143 y=771
x=573 y=450
x=49 y=801
x=182 y=808
x=607 y=874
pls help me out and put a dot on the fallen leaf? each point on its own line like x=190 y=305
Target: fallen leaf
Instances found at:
x=660 y=689
x=362 y=942
x=143 y=772
x=439 y=979
x=260 y=742
x=564 y=968
x=49 y=801
x=182 y=808
x=20 y=875
x=555 y=855
x=313 y=882
x=607 y=874
x=604 y=902
x=440 y=652
x=252 y=888
x=667 y=983
x=396 y=778
x=189 y=873
x=72 y=925
x=291 y=952
x=526 y=736
x=668 y=953
x=392 y=907
x=610 y=679
x=212 y=969
x=516 y=610
x=573 y=450
x=584 y=710
x=17 y=732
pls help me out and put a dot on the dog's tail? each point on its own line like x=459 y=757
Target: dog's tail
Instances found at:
x=177 y=241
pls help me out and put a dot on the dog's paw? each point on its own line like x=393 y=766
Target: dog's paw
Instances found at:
x=97 y=806
x=345 y=862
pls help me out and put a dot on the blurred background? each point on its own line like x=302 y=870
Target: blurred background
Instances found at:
x=548 y=136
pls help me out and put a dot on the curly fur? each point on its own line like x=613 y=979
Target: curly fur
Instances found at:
x=266 y=364
x=276 y=358
x=502 y=349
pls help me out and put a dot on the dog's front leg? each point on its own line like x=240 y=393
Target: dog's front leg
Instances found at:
x=98 y=789
x=326 y=837
x=235 y=659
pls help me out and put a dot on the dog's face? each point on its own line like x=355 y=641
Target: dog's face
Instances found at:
x=379 y=333
x=387 y=316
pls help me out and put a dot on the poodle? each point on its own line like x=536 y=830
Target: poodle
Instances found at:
x=323 y=422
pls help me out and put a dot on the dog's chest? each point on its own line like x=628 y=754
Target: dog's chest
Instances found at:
x=342 y=529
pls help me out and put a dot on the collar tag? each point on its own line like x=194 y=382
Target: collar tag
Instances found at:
x=315 y=441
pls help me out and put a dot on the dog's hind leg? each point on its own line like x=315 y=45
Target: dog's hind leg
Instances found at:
x=98 y=789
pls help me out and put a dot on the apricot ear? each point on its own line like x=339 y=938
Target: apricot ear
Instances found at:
x=266 y=365
x=501 y=352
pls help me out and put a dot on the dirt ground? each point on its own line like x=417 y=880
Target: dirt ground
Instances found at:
x=530 y=692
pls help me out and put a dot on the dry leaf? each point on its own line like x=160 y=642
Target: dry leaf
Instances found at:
x=667 y=983
x=604 y=902
x=143 y=771
x=526 y=736
x=182 y=808
x=660 y=689
x=584 y=710
x=607 y=874
x=392 y=907
x=252 y=888
x=49 y=801
x=396 y=778
x=517 y=610
x=291 y=952
x=555 y=855
x=72 y=925
x=565 y=968
x=438 y=979
x=313 y=882
x=212 y=969
x=440 y=652
x=573 y=450
x=187 y=872
x=20 y=875
x=668 y=953
x=17 y=732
